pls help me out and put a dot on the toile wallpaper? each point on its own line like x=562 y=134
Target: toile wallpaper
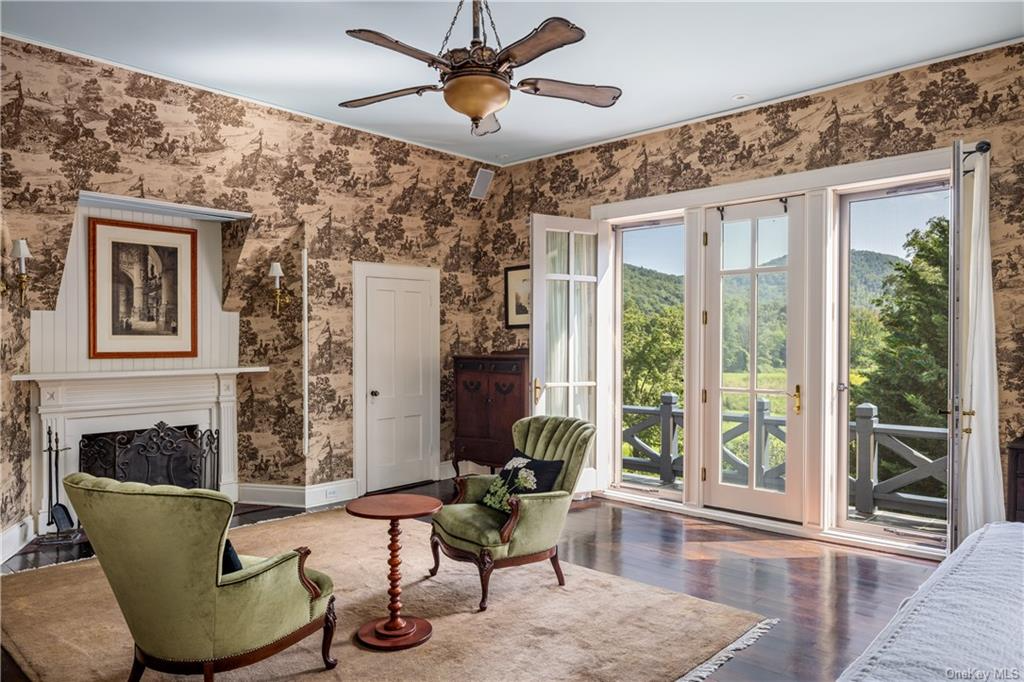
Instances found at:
x=71 y=123
x=975 y=97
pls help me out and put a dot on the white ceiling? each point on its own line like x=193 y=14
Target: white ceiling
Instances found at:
x=674 y=61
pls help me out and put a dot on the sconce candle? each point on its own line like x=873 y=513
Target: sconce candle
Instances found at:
x=279 y=296
x=20 y=251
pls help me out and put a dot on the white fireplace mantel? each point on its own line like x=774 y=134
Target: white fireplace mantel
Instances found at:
x=73 y=404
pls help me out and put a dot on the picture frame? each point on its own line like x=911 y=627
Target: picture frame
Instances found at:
x=518 y=304
x=143 y=290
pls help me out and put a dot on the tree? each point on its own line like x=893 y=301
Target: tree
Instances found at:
x=909 y=377
x=652 y=353
x=213 y=111
x=130 y=125
x=80 y=154
x=145 y=87
x=332 y=165
x=293 y=188
x=941 y=100
x=892 y=137
x=11 y=177
x=236 y=200
x=717 y=144
x=89 y=100
x=827 y=151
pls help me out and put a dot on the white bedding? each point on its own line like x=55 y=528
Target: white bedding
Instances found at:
x=966 y=622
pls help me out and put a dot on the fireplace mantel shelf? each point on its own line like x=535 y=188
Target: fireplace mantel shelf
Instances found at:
x=136 y=374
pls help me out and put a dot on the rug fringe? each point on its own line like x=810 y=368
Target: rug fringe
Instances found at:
x=704 y=670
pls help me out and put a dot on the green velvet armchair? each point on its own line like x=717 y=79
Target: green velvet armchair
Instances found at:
x=468 y=531
x=160 y=548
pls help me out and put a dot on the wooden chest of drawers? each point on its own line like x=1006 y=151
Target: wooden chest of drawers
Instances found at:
x=491 y=394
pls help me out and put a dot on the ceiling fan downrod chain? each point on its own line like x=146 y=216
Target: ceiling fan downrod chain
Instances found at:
x=451 y=27
x=494 y=28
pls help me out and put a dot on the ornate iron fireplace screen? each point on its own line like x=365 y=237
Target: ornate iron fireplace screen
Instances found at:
x=184 y=456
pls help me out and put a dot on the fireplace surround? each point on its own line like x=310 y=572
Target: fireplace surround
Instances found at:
x=76 y=404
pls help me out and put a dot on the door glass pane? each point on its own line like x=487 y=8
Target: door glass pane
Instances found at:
x=772 y=328
x=558 y=331
x=772 y=241
x=583 y=402
x=735 y=244
x=735 y=438
x=769 y=437
x=557 y=401
x=736 y=331
x=558 y=253
x=897 y=268
x=583 y=331
x=652 y=362
x=585 y=254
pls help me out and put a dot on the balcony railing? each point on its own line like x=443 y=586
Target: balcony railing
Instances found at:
x=869 y=435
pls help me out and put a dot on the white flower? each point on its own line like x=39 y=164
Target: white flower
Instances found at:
x=516 y=462
x=526 y=480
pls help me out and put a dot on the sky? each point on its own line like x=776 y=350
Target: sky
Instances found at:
x=876 y=225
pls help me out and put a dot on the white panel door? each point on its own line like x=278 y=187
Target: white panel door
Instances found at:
x=755 y=358
x=401 y=359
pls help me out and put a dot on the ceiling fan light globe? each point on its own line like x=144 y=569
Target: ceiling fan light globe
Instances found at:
x=476 y=95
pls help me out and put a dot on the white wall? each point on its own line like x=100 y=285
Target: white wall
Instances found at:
x=60 y=338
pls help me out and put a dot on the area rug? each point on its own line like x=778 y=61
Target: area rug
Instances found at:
x=62 y=622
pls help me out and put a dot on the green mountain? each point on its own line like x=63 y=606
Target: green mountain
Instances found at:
x=652 y=291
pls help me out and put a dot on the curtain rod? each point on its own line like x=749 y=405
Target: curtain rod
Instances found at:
x=982 y=147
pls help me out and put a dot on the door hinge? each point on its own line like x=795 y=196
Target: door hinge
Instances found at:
x=704 y=316
x=705 y=239
x=703 y=473
x=703 y=395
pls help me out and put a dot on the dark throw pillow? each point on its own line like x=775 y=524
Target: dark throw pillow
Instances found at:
x=229 y=563
x=521 y=474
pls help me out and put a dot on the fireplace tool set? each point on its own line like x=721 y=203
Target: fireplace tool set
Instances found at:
x=66 y=532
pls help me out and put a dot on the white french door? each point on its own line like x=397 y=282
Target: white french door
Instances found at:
x=754 y=361
x=563 y=334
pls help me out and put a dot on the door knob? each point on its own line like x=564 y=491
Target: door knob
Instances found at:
x=374 y=393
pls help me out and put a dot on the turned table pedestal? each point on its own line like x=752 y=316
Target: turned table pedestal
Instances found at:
x=397 y=631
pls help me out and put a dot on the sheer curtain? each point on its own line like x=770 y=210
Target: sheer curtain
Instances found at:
x=981 y=473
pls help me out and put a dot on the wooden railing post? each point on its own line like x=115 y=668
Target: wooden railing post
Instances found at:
x=866 y=419
x=669 y=447
x=758 y=456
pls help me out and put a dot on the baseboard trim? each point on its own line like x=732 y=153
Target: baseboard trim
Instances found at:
x=15 y=537
x=446 y=470
x=299 y=496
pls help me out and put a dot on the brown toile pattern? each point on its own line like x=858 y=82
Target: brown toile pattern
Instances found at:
x=974 y=97
x=72 y=124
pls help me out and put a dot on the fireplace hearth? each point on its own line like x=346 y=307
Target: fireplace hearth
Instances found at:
x=185 y=456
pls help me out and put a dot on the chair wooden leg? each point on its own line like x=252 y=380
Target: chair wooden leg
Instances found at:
x=558 y=568
x=207 y=672
x=138 y=667
x=330 y=620
x=485 y=565
x=435 y=547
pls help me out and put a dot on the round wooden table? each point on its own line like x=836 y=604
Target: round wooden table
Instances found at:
x=396 y=631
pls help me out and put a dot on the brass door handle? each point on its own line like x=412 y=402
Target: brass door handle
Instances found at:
x=795 y=395
x=537 y=389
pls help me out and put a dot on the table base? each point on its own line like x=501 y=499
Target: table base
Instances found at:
x=415 y=632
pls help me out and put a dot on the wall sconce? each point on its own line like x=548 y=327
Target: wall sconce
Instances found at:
x=20 y=251
x=280 y=295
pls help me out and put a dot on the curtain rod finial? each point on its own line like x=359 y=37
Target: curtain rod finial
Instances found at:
x=983 y=146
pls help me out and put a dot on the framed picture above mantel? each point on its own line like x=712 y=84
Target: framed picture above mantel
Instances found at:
x=143 y=292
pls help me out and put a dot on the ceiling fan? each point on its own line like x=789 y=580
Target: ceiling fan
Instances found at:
x=477 y=81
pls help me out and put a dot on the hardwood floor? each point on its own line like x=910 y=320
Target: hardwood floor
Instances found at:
x=831 y=600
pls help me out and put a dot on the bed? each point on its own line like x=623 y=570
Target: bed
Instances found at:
x=966 y=622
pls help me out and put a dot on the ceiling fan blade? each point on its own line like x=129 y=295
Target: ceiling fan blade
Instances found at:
x=594 y=95
x=550 y=35
x=487 y=125
x=373 y=99
x=390 y=43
